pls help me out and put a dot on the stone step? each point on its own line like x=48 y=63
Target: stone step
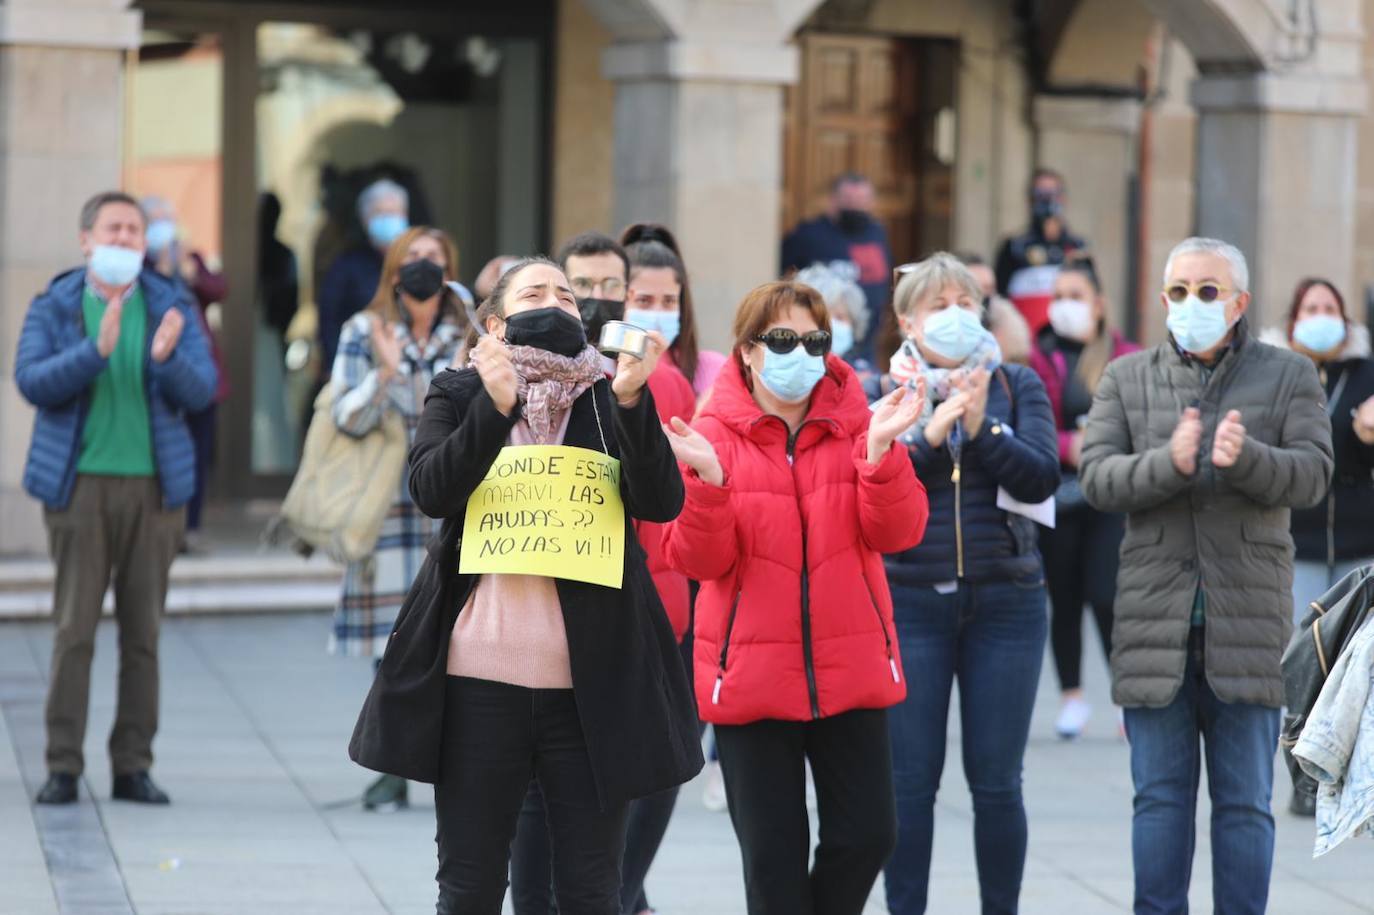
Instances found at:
x=253 y=582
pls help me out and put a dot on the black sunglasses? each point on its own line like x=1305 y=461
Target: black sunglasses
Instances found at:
x=782 y=341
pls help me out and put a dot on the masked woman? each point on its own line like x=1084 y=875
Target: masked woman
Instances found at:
x=491 y=680
x=794 y=492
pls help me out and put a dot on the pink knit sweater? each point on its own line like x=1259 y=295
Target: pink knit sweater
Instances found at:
x=511 y=629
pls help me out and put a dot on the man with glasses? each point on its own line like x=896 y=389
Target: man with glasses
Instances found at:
x=1206 y=441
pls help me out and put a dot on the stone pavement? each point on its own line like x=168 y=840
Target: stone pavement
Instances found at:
x=265 y=821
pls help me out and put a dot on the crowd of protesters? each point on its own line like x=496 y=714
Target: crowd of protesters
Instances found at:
x=896 y=479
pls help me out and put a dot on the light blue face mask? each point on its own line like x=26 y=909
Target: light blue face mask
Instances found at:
x=384 y=228
x=1319 y=333
x=667 y=323
x=1197 y=326
x=115 y=266
x=161 y=233
x=841 y=337
x=791 y=376
x=953 y=332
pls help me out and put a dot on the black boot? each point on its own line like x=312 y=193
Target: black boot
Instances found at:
x=139 y=788
x=60 y=788
x=387 y=793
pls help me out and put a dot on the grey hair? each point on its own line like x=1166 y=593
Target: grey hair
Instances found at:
x=836 y=284
x=930 y=276
x=1240 y=272
x=376 y=192
x=153 y=203
x=90 y=210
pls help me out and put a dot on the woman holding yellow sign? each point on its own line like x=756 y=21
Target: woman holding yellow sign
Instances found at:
x=533 y=643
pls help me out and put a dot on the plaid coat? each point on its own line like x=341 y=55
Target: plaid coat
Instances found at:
x=374 y=588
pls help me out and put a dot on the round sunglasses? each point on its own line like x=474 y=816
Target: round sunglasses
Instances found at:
x=782 y=341
x=1206 y=292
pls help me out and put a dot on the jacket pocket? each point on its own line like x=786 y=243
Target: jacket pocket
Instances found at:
x=882 y=624
x=725 y=647
x=1138 y=535
x=1255 y=532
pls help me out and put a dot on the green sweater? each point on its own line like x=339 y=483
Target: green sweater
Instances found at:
x=117 y=439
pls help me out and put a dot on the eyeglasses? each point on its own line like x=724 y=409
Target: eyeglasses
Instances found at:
x=610 y=286
x=1207 y=292
x=782 y=341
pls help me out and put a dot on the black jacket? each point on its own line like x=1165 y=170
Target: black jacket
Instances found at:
x=1016 y=450
x=632 y=690
x=1341 y=526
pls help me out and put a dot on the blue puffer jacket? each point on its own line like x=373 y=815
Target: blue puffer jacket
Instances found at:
x=1018 y=450
x=57 y=362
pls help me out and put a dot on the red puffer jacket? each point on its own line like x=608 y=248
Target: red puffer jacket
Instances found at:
x=673 y=396
x=778 y=635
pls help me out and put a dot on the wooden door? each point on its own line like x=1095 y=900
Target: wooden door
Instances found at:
x=855 y=109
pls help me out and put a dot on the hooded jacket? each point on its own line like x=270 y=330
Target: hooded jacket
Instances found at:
x=794 y=618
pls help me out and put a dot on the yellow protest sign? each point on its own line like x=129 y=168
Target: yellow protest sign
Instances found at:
x=550 y=510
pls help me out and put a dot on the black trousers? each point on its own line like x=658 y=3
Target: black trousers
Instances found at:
x=765 y=784
x=1081 y=555
x=497 y=737
x=531 y=875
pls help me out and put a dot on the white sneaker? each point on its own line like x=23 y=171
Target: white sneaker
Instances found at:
x=1073 y=715
x=713 y=795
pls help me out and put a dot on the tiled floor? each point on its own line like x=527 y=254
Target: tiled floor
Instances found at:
x=252 y=748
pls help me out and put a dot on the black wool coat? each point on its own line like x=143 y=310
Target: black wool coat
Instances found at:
x=633 y=696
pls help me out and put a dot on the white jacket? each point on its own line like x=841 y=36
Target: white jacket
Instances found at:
x=1337 y=746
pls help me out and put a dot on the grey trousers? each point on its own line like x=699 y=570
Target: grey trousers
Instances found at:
x=114 y=526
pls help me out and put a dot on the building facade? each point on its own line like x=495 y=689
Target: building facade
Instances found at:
x=518 y=124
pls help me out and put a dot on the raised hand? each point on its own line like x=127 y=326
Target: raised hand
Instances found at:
x=893 y=416
x=692 y=448
x=1183 y=444
x=386 y=349
x=107 y=338
x=975 y=385
x=631 y=373
x=168 y=333
x=491 y=358
x=1229 y=441
x=944 y=418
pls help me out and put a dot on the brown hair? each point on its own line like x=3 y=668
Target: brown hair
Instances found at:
x=90 y=210
x=766 y=304
x=386 y=300
x=1304 y=287
x=652 y=246
x=494 y=305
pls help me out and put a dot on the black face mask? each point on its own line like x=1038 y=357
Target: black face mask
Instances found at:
x=551 y=329
x=852 y=222
x=1045 y=206
x=596 y=312
x=422 y=279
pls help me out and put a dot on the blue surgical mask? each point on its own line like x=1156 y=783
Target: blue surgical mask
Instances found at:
x=841 y=337
x=1320 y=333
x=1197 y=326
x=667 y=323
x=385 y=228
x=791 y=376
x=114 y=265
x=161 y=233
x=953 y=332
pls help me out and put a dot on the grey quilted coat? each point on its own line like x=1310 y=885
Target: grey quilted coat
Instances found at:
x=1222 y=529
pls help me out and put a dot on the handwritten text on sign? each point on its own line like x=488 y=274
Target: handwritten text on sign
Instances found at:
x=550 y=510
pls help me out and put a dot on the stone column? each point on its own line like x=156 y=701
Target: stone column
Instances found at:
x=1276 y=175
x=1092 y=141
x=61 y=117
x=698 y=146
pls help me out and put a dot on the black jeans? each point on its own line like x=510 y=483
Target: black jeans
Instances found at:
x=765 y=784
x=1081 y=559
x=531 y=875
x=496 y=738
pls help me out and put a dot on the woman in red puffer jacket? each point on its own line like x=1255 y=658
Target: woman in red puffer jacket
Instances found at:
x=793 y=493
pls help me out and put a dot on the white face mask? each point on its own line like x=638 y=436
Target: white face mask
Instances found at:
x=1072 y=319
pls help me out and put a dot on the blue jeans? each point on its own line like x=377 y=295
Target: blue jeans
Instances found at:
x=1165 y=766
x=992 y=637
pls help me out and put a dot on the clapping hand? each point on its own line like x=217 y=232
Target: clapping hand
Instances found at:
x=1229 y=441
x=974 y=384
x=692 y=448
x=491 y=358
x=386 y=349
x=107 y=338
x=167 y=335
x=892 y=416
x=1183 y=444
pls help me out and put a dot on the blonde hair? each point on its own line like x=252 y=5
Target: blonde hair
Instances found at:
x=928 y=277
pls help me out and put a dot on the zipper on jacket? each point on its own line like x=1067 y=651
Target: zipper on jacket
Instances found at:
x=1330 y=531
x=725 y=648
x=807 y=660
x=954 y=476
x=887 y=639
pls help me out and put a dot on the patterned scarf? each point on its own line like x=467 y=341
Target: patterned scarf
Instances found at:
x=908 y=364
x=549 y=383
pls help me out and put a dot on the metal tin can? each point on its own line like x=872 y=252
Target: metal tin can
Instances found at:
x=617 y=337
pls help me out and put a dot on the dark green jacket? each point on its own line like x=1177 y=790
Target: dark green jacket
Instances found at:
x=1224 y=530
